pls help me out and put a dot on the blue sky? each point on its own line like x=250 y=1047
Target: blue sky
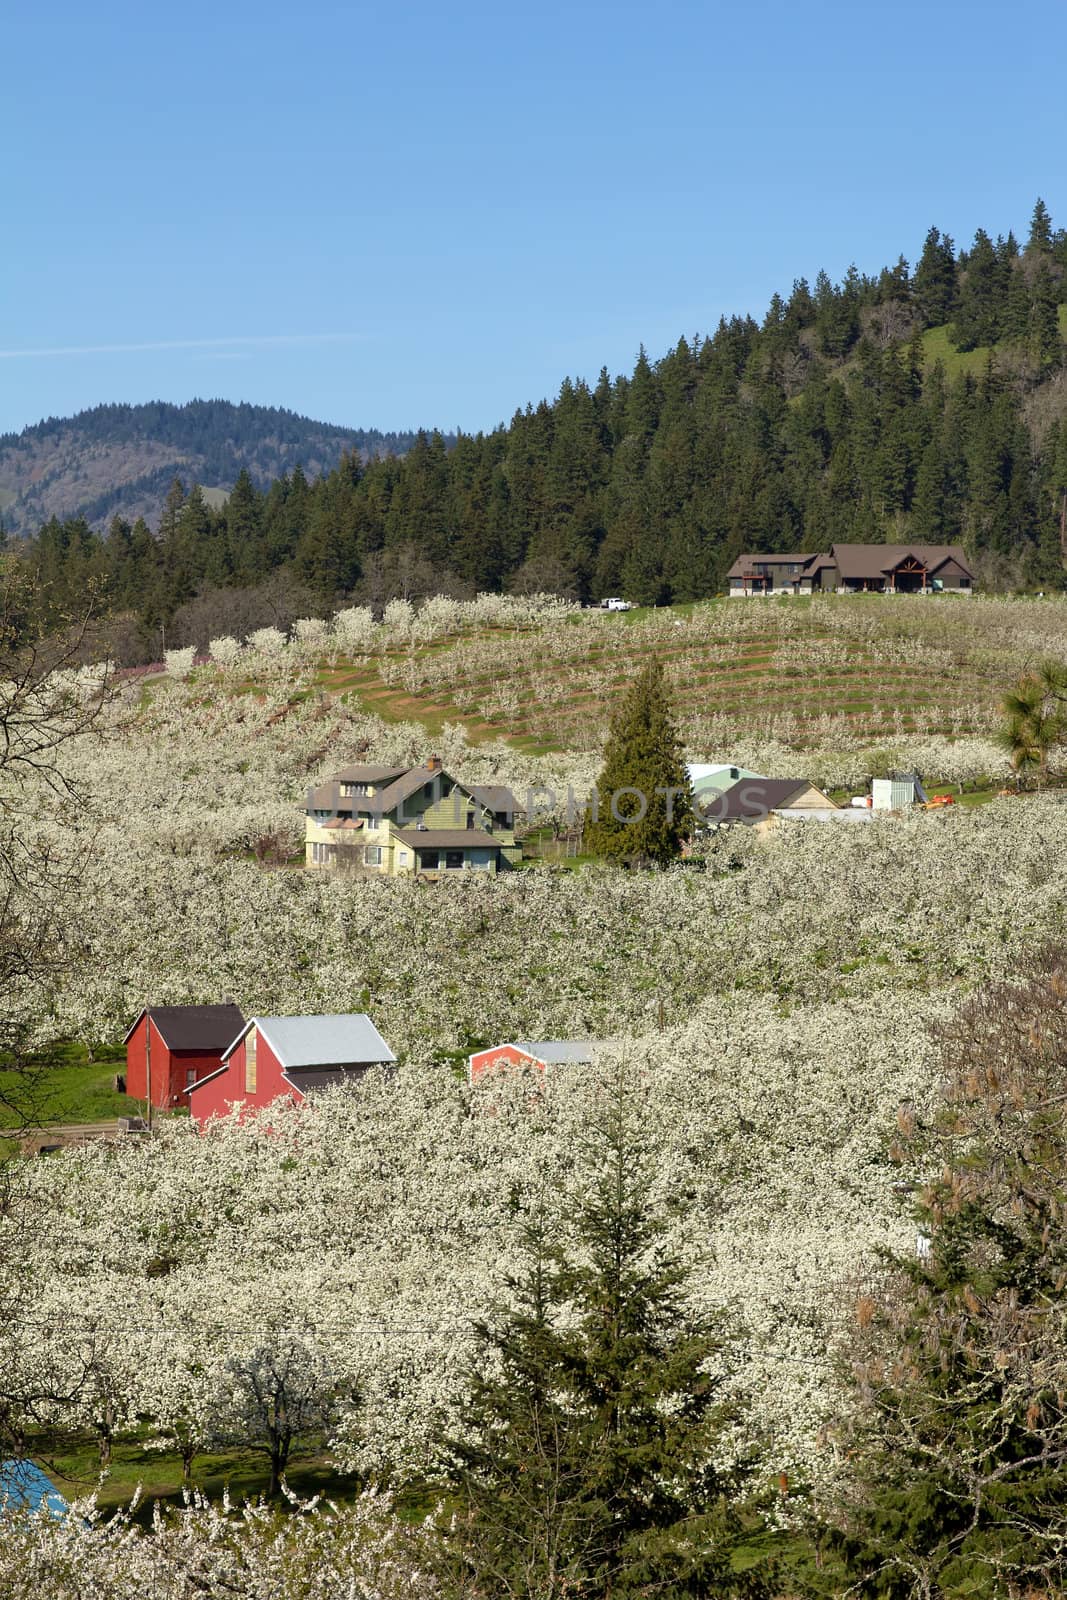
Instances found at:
x=411 y=215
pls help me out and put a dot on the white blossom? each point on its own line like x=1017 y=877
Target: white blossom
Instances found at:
x=179 y=663
x=225 y=652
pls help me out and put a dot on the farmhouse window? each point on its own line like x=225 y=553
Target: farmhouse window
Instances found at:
x=250 y=1062
x=372 y=855
x=428 y=860
x=190 y=1077
x=453 y=858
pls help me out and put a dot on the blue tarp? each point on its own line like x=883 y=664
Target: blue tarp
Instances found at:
x=24 y=1487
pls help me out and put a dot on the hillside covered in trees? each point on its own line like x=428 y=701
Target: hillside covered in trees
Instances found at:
x=121 y=460
x=925 y=402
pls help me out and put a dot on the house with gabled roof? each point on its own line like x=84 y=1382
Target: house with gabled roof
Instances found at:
x=171 y=1048
x=759 y=802
x=855 y=568
x=274 y=1058
x=766 y=573
x=399 y=821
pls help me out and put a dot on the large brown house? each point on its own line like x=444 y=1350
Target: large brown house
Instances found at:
x=855 y=569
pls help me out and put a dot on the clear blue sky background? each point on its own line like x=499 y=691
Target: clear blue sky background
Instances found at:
x=434 y=212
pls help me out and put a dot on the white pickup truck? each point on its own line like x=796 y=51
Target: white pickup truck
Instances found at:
x=615 y=604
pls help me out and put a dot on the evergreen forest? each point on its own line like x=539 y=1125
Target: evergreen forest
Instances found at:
x=927 y=402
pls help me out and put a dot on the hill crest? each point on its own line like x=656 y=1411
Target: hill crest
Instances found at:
x=121 y=459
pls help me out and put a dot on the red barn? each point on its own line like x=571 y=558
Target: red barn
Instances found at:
x=548 y=1053
x=290 y=1057
x=172 y=1047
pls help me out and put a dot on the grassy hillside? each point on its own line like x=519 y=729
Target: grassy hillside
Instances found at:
x=938 y=346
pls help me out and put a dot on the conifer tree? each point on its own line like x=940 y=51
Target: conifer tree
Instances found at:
x=643 y=805
x=1035 y=719
x=1016 y=322
x=172 y=507
x=1043 y=328
x=119 y=551
x=934 y=280
x=244 y=529
x=588 y=1462
x=1040 y=228
x=979 y=312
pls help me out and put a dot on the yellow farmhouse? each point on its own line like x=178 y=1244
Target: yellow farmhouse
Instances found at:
x=401 y=820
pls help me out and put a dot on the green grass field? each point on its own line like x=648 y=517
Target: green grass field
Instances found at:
x=66 y=1086
x=938 y=346
x=73 y=1463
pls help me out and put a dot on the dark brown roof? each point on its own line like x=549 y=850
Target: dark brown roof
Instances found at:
x=753 y=798
x=858 y=561
x=743 y=564
x=873 y=561
x=446 y=838
x=196 y=1027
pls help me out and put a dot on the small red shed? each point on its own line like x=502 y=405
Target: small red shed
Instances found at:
x=173 y=1047
x=526 y=1053
x=290 y=1057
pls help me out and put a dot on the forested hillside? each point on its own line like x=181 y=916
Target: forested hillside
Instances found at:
x=925 y=402
x=121 y=460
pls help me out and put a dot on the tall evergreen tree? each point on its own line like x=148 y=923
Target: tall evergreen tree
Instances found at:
x=1040 y=228
x=589 y=1463
x=643 y=799
x=934 y=280
x=1043 y=328
x=1016 y=319
x=244 y=529
x=979 y=310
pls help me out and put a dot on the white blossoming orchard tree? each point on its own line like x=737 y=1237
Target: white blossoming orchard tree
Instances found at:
x=354 y=630
x=179 y=663
x=225 y=652
x=398 y=618
x=361 y=1551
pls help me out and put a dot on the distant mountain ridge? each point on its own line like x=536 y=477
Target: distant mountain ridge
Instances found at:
x=121 y=459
